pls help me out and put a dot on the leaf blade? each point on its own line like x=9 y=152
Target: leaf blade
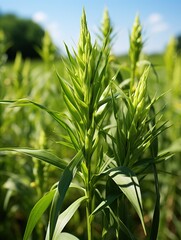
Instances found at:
x=129 y=185
x=37 y=212
x=63 y=186
x=43 y=155
x=65 y=216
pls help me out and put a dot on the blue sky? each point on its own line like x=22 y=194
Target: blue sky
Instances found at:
x=161 y=19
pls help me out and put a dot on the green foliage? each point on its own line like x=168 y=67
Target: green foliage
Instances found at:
x=99 y=142
x=170 y=56
x=171 y=187
x=22 y=35
x=48 y=50
x=3 y=47
x=37 y=212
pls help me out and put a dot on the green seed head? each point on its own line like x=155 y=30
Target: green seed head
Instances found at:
x=140 y=92
x=84 y=45
x=136 y=43
x=106 y=24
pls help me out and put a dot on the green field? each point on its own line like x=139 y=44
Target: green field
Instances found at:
x=135 y=140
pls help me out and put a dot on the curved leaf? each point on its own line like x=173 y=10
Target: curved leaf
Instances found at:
x=122 y=225
x=63 y=186
x=65 y=216
x=105 y=203
x=129 y=185
x=43 y=155
x=67 y=236
x=57 y=116
x=37 y=212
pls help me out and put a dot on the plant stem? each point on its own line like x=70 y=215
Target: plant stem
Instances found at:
x=88 y=154
x=88 y=210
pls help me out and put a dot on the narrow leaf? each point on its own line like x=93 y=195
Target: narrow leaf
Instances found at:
x=156 y=214
x=43 y=155
x=129 y=185
x=67 y=90
x=55 y=115
x=122 y=225
x=67 y=236
x=63 y=186
x=105 y=203
x=37 y=212
x=65 y=216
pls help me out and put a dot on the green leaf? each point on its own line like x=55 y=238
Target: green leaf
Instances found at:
x=63 y=186
x=126 y=230
x=122 y=225
x=65 y=216
x=156 y=214
x=55 y=115
x=67 y=90
x=73 y=111
x=67 y=236
x=63 y=235
x=105 y=203
x=43 y=155
x=129 y=185
x=37 y=212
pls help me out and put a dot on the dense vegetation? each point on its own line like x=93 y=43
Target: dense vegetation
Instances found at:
x=92 y=141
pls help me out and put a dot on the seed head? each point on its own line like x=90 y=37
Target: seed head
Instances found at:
x=141 y=90
x=106 y=24
x=84 y=45
x=136 y=43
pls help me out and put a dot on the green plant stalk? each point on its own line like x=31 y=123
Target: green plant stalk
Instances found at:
x=88 y=212
x=88 y=156
x=89 y=198
x=94 y=83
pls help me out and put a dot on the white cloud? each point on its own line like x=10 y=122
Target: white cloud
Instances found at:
x=161 y=27
x=154 y=18
x=39 y=17
x=54 y=29
x=156 y=23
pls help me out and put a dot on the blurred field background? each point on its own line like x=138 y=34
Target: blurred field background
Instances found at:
x=23 y=180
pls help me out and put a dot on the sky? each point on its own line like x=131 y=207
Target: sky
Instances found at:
x=161 y=19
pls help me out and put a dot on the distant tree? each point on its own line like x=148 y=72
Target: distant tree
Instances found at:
x=22 y=34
